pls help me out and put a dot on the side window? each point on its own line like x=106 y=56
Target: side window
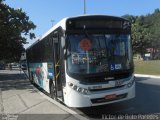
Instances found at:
x=47 y=50
x=41 y=49
x=50 y=51
x=55 y=37
x=43 y=46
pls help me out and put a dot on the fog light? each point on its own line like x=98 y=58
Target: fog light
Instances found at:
x=70 y=84
x=85 y=91
x=75 y=87
x=130 y=83
x=79 y=89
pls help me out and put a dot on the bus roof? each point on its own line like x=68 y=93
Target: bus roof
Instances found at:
x=62 y=24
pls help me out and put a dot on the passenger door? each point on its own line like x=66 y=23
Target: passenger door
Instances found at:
x=58 y=66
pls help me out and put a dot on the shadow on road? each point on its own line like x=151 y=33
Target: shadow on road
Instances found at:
x=14 y=80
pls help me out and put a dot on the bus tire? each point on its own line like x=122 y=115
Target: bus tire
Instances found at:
x=52 y=91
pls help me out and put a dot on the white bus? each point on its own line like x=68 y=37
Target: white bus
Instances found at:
x=85 y=61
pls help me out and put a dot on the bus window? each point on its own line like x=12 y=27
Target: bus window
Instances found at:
x=95 y=58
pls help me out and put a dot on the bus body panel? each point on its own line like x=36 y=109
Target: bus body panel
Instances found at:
x=40 y=74
x=73 y=98
x=85 y=100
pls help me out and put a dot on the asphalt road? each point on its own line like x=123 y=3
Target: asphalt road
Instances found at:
x=147 y=101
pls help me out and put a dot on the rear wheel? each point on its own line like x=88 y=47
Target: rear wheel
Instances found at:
x=52 y=91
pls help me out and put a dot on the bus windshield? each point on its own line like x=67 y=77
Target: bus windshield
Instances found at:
x=97 y=53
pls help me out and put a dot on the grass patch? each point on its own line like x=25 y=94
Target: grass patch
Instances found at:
x=151 y=67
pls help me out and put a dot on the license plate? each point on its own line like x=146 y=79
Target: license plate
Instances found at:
x=118 y=82
x=112 y=96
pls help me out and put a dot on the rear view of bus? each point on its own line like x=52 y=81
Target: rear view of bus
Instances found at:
x=98 y=65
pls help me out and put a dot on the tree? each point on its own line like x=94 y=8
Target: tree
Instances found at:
x=140 y=35
x=155 y=31
x=131 y=18
x=15 y=26
x=145 y=32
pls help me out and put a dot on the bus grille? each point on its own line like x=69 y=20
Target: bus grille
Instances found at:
x=111 y=88
x=101 y=79
x=102 y=100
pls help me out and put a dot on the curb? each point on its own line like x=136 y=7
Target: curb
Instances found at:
x=150 y=76
x=75 y=114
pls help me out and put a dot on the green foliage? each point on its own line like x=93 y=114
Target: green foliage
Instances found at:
x=15 y=26
x=140 y=35
x=145 y=32
x=155 y=29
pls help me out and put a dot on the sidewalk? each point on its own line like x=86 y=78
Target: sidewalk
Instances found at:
x=20 y=100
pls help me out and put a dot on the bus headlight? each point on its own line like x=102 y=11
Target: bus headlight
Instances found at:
x=78 y=89
x=75 y=87
x=130 y=83
x=70 y=84
x=85 y=91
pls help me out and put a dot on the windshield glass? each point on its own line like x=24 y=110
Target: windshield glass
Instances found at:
x=97 y=53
